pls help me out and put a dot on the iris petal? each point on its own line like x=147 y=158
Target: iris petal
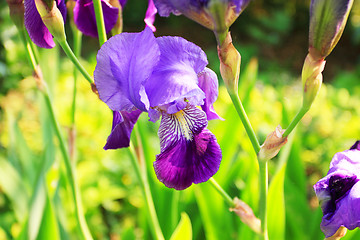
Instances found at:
x=189 y=152
x=123 y=123
x=175 y=77
x=84 y=17
x=150 y=15
x=208 y=82
x=37 y=30
x=124 y=64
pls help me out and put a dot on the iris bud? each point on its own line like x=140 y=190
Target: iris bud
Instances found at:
x=311 y=78
x=52 y=18
x=229 y=64
x=327 y=23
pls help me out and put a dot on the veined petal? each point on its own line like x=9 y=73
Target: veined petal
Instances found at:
x=175 y=77
x=124 y=64
x=123 y=123
x=84 y=17
x=150 y=15
x=189 y=151
x=208 y=82
x=37 y=30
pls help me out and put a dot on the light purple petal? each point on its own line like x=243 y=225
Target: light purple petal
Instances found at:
x=124 y=64
x=84 y=17
x=37 y=30
x=123 y=123
x=150 y=15
x=175 y=77
x=208 y=82
x=189 y=152
x=240 y=5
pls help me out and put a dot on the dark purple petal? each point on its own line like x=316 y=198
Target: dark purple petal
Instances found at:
x=122 y=2
x=356 y=146
x=124 y=64
x=84 y=17
x=175 y=77
x=37 y=30
x=123 y=123
x=189 y=152
x=150 y=15
x=208 y=82
x=339 y=193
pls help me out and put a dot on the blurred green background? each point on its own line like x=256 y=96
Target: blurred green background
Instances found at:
x=272 y=39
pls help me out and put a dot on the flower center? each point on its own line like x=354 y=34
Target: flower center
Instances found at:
x=184 y=125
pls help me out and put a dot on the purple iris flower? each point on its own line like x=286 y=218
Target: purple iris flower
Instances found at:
x=166 y=77
x=85 y=20
x=339 y=192
x=200 y=11
x=37 y=30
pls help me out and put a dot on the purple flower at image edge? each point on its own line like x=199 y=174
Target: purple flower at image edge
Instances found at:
x=166 y=77
x=339 y=192
x=34 y=25
x=85 y=20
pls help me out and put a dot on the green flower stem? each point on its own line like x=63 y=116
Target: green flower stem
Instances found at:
x=69 y=171
x=30 y=53
x=222 y=192
x=65 y=46
x=303 y=110
x=77 y=48
x=245 y=121
x=263 y=169
x=144 y=184
x=82 y=226
x=100 y=22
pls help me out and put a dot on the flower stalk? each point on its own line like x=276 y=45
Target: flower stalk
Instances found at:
x=79 y=213
x=100 y=23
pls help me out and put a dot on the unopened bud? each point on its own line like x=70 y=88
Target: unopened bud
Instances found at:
x=246 y=215
x=17 y=12
x=229 y=64
x=312 y=78
x=52 y=19
x=272 y=145
x=339 y=234
x=118 y=27
x=327 y=22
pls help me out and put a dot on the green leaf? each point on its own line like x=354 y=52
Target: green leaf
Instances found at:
x=14 y=188
x=49 y=227
x=276 y=206
x=184 y=230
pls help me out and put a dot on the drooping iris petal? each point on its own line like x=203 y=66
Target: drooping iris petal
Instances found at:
x=85 y=20
x=189 y=152
x=175 y=76
x=37 y=30
x=150 y=15
x=356 y=146
x=339 y=192
x=208 y=82
x=123 y=123
x=124 y=64
x=199 y=10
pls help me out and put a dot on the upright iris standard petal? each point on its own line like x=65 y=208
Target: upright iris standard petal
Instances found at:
x=150 y=15
x=37 y=30
x=189 y=152
x=123 y=123
x=208 y=82
x=85 y=20
x=124 y=64
x=339 y=192
x=175 y=77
